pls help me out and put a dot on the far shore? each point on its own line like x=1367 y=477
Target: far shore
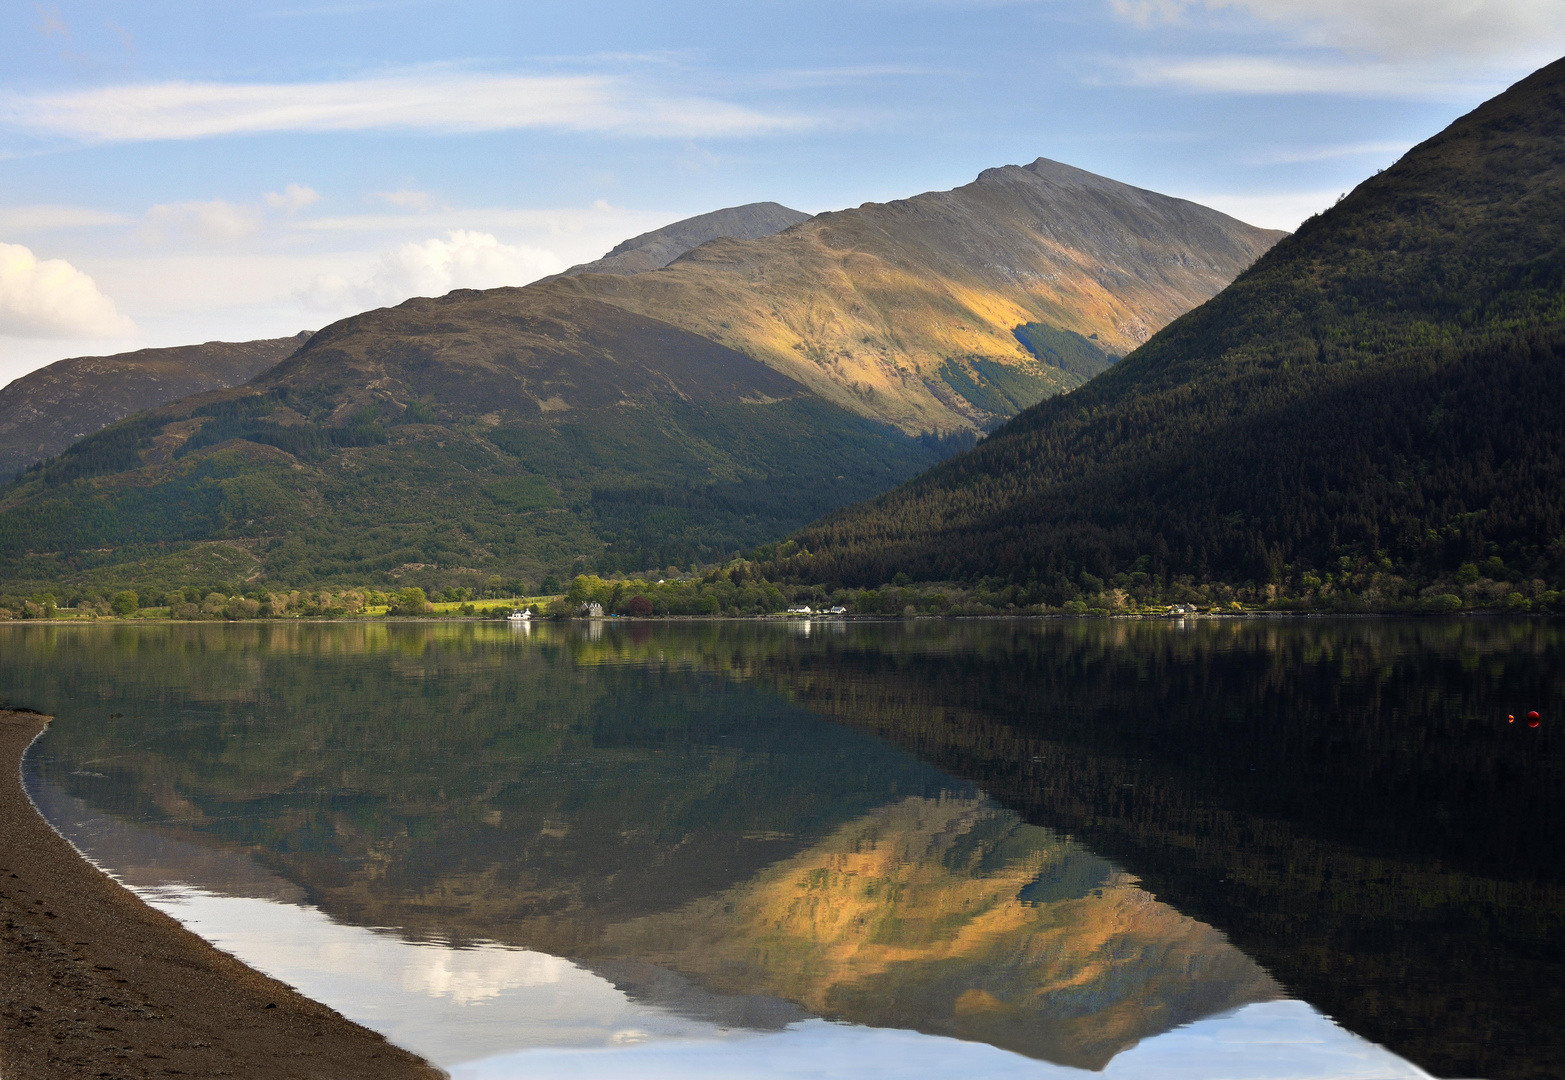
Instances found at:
x=1050 y=616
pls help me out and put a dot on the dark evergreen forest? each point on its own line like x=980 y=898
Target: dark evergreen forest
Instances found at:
x=1380 y=396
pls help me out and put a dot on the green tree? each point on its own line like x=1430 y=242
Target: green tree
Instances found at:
x=125 y=603
x=409 y=601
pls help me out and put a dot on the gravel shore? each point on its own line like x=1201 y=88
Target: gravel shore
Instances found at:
x=94 y=983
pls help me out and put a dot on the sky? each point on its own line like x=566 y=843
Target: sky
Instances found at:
x=180 y=171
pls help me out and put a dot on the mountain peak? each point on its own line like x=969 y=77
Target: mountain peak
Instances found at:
x=656 y=249
x=1378 y=399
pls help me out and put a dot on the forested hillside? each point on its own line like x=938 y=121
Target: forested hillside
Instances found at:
x=1375 y=407
x=582 y=437
x=618 y=423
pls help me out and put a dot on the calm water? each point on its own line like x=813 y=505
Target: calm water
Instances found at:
x=1149 y=849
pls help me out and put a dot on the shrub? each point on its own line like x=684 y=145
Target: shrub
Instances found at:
x=558 y=609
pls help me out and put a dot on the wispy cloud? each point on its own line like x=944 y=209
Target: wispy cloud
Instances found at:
x=291 y=198
x=1406 y=29
x=1301 y=155
x=1274 y=75
x=50 y=216
x=804 y=78
x=215 y=221
x=409 y=199
x=427 y=101
x=540 y=222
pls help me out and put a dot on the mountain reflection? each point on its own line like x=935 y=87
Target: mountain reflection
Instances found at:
x=1018 y=834
x=951 y=917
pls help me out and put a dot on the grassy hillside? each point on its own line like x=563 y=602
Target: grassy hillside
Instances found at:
x=390 y=450
x=1376 y=405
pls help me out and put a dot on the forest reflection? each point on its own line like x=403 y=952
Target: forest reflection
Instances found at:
x=1019 y=833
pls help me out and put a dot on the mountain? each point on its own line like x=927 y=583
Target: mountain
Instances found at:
x=618 y=422
x=656 y=249
x=45 y=411
x=908 y=311
x=1375 y=406
x=451 y=440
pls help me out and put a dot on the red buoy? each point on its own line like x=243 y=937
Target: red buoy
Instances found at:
x=1533 y=720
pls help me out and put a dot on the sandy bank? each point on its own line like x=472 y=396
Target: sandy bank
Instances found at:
x=94 y=983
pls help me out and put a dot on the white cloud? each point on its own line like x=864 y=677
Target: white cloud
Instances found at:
x=1393 y=28
x=463 y=260
x=215 y=221
x=50 y=298
x=1277 y=75
x=291 y=198
x=440 y=101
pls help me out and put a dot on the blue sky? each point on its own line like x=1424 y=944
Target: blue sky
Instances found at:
x=177 y=172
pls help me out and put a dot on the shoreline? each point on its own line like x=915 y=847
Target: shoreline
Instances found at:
x=93 y=982
x=1213 y=616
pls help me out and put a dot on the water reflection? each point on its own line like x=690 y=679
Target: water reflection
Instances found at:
x=951 y=917
x=734 y=828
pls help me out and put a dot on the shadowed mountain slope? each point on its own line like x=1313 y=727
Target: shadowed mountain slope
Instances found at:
x=45 y=411
x=445 y=441
x=907 y=311
x=636 y=422
x=656 y=249
x=1382 y=393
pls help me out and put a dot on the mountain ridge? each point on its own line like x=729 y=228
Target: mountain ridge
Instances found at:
x=1379 y=391
x=894 y=309
x=626 y=422
x=44 y=411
